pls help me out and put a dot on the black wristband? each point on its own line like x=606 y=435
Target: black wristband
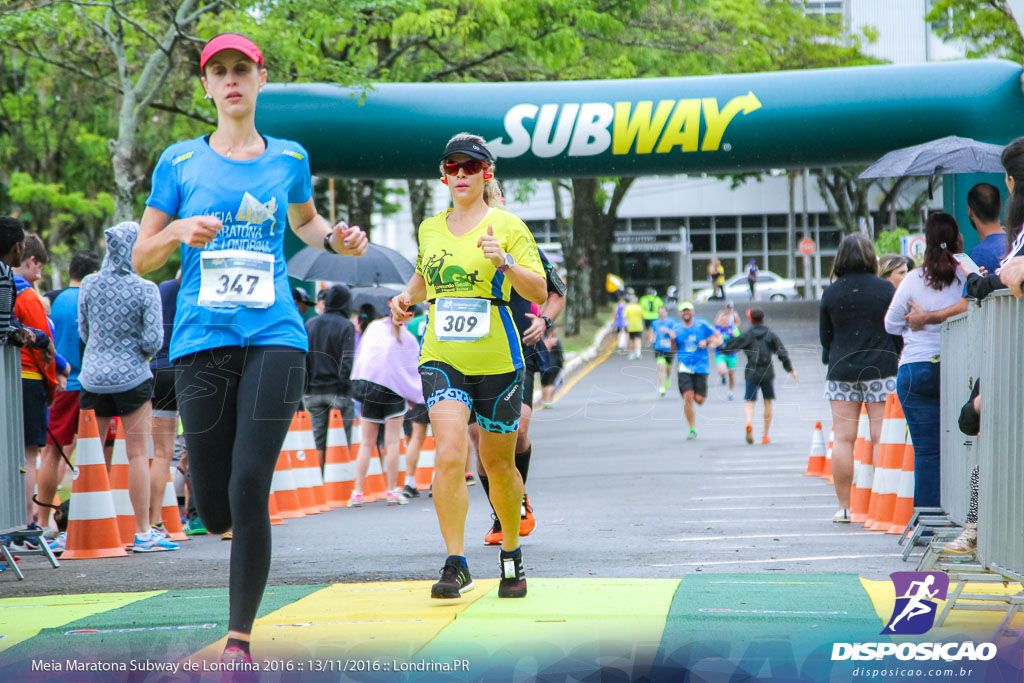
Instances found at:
x=327 y=243
x=547 y=321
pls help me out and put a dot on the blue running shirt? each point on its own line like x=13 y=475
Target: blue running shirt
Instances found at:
x=251 y=197
x=662 y=342
x=692 y=358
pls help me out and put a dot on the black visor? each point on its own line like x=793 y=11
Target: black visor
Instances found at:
x=474 y=150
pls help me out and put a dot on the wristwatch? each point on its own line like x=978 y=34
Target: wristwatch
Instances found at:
x=327 y=243
x=547 y=321
x=509 y=262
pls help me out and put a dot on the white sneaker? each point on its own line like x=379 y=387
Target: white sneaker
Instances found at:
x=842 y=516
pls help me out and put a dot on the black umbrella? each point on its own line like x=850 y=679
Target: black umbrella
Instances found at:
x=379 y=264
x=945 y=155
x=377 y=297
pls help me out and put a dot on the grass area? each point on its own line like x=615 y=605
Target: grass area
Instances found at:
x=588 y=328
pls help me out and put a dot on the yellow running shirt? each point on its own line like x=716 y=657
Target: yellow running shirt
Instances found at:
x=634 y=317
x=455 y=267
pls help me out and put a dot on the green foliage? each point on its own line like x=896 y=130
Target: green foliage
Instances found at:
x=888 y=241
x=987 y=26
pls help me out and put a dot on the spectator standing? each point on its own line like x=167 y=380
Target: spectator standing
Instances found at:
x=983 y=208
x=332 y=342
x=63 y=423
x=752 y=278
x=936 y=285
x=121 y=324
x=302 y=300
x=39 y=380
x=417 y=419
x=385 y=376
x=893 y=268
x=860 y=354
x=12 y=331
x=165 y=409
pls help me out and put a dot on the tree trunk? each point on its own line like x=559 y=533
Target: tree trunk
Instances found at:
x=360 y=204
x=585 y=218
x=419 y=202
x=122 y=154
x=571 y=313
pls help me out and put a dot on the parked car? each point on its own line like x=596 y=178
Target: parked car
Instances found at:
x=769 y=286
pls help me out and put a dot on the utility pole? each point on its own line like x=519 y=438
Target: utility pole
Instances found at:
x=808 y=280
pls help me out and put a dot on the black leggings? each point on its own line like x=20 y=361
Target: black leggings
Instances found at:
x=236 y=406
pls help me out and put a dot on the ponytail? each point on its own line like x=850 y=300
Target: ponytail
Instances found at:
x=1013 y=162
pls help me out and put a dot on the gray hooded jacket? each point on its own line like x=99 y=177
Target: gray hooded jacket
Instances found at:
x=119 y=319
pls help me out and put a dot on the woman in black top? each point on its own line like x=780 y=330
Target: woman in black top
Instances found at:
x=861 y=356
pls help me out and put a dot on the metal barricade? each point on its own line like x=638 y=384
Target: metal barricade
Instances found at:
x=12 y=441
x=1001 y=480
x=962 y=342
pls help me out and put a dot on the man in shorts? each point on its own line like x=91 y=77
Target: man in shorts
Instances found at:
x=727 y=324
x=39 y=377
x=664 y=332
x=63 y=423
x=332 y=339
x=759 y=344
x=650 y=303
x=692 y=338
x=634 y=315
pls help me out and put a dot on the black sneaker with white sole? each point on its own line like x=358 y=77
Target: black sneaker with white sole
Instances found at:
x=513 y=578
x=455 y=579
x=410 y=491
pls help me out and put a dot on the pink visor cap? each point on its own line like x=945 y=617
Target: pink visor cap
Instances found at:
x=230 y=41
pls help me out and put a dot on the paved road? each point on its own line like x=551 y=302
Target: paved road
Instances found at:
x=617 y=489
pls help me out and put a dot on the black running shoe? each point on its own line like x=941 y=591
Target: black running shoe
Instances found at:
x=513 y=578
x=410 y=492
x=455 y=578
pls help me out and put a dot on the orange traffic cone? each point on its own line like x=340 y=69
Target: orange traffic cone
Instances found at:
x=863 y=469
x=904 y=508
x=282 y=488
x=401 y=461
x=826 y=470
x=375 y=486
x=119 y=478
x=293 y=446
x=887 y=471
x=425 y=465
x=275 y=514
x=314 y=474
x=339 y=468
x=92 y=527
x=816 y=460
x=169 y=513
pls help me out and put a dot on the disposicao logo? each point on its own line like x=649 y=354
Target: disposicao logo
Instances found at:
x=915 y=610
x=913 y=615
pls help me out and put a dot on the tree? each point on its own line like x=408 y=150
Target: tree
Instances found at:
x=847 y=197
x=689 y=39
x=121 y=46
x=987 y=26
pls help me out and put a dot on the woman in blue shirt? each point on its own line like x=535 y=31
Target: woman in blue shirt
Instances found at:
x=239 y=344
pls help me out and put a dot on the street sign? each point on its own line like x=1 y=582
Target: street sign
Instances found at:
x=807 y=246
x=913 y=246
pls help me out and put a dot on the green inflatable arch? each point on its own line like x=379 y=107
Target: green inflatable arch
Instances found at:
x=714 y=124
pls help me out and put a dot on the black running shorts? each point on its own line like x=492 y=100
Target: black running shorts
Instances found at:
x=495 y=400
x=691 y=381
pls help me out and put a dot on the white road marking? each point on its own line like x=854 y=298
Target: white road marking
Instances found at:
x=688 y=539
x=774 y=560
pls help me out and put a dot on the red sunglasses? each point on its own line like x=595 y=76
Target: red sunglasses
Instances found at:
x=470 y=166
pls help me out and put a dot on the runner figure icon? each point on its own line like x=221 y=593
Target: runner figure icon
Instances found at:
x=915 y=608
